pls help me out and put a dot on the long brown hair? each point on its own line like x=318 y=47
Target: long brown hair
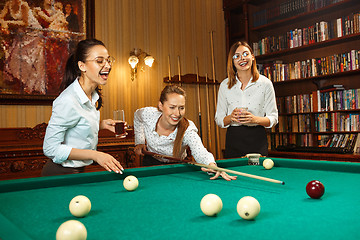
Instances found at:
x=72 y=70
x=231 y=70
x=183 y=124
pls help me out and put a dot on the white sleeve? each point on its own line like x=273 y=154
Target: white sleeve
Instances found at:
x=139 y=128
x=198 y=151
x=221 y=107
x=271 y=110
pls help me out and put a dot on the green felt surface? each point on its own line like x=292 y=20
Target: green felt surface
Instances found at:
x=167 y=203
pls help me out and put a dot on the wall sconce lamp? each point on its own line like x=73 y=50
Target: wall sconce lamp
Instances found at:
x=134 y=60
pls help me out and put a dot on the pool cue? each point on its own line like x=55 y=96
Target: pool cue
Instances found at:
x=179 y=70
x=173 y=159
x=169 y=69
x=198 y=95
x=208 y=112
x=217 y=133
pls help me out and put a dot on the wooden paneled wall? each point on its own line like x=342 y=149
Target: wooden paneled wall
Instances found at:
x=178 y=30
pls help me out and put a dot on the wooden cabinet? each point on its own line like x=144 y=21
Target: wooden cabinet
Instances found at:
x=304 y=46
x=21 y=153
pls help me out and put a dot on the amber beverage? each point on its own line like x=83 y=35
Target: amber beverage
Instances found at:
x=119 y=118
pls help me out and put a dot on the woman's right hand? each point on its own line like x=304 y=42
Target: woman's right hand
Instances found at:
x=139 y=149
x=235 y=115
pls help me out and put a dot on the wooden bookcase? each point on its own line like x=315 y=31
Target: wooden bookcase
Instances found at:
x=245 y=20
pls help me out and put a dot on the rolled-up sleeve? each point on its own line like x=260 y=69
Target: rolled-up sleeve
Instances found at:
x=63 y=117
x=221 y=107
x=198 y=151
x=271 y=110
x=139 y=128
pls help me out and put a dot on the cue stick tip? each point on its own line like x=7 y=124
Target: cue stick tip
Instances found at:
x=282 y=183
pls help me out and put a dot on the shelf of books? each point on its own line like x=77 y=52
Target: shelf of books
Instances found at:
x=326 y=120
x=310 y=50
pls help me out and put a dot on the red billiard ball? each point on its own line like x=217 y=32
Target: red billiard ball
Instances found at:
x=315 y=189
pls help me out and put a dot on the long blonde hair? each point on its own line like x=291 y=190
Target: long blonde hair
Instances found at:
x=183 y=124
x=231 y=70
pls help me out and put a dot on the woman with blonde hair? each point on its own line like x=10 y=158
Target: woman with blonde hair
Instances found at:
x=246 y=104
x=165 y=130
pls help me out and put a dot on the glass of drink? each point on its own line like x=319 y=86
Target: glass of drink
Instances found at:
x=119 y=118
x=242 y=111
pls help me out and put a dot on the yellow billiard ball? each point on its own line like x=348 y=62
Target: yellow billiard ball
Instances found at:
x=211 y=204
x=268 y=163
x=131 y=183
x=80 y=206
x=71 y=230
x=248 y=208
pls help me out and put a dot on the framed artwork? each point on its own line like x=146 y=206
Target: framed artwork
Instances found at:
x=37 y=37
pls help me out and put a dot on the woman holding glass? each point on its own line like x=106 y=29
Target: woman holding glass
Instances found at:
x=72 y=133
x=246 y=104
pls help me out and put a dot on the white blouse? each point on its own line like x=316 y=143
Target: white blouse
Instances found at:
x=145 y=120
x=258 y=97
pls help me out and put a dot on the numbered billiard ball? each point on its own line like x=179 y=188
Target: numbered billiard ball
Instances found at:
x=248 y=208
x=268 y=163
x=315 y=189
x=80 y=206
x=211 y=204
x=71 y=230
x=131 y=183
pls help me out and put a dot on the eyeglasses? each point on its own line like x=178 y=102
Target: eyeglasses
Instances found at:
x=102 y=61
x=237 y=56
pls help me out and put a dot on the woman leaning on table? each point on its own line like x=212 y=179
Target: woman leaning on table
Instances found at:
x=164 y=130
x=72 y=133
x=245 y=88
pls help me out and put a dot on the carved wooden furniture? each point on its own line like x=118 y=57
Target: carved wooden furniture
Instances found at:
x=21 y=153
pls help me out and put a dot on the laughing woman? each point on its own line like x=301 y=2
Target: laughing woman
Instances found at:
x=245 y=88
x=165 y=130
x=72 y=133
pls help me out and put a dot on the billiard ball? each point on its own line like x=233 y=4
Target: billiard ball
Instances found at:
x=248 y=208
x=80 y=206
x=71 y=230
x=268 y=163
x=131 y=183
x=211 y=204
x=315 y=189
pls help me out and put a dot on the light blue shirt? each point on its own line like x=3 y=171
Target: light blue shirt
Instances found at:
x=74 y=123
x=258 y=97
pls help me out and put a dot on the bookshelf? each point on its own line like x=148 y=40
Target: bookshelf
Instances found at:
x=310 y=49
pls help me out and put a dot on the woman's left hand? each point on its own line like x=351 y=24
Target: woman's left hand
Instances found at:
x=224 y=175
x=248 y=117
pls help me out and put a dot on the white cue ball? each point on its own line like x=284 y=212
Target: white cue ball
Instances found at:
x=71 y=230
x=80 y=206
x=211 y=204
x=131 y=183
x=248 y=208
x=268 y=163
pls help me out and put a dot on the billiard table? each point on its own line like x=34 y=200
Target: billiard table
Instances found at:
x=166 y=204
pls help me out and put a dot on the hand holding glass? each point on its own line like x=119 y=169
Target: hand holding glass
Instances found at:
x=119 y=118
x=241 y=112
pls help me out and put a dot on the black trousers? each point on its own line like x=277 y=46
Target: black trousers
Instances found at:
x=150 y=161
x=241 y=140
x=51 y=169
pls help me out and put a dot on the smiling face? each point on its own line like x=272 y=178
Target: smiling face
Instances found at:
x=96 y=67
x=243 y=59
x=173 y=109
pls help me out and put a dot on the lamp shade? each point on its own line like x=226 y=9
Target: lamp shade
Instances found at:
x=149 y=60
x=133 y=60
